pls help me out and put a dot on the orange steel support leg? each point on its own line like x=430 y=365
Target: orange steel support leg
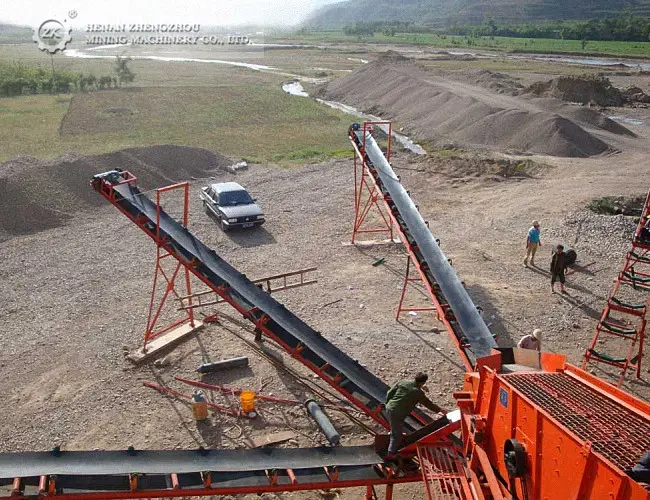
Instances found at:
x=408 y=279
x=365 y=189
x=156 y=305
x=362 y=208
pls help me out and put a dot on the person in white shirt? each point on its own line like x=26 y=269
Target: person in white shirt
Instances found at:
x=532 y=341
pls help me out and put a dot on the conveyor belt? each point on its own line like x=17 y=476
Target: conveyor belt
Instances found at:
x=345 y=374
x=89 y=463
x=104 y=475
x=472 y=334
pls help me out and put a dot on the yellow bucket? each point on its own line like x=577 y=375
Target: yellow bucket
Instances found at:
x=247 y=401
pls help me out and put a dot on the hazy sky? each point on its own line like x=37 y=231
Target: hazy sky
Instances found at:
x=215 y=12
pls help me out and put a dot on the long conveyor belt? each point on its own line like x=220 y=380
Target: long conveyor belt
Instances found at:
x=345 y=374
x=101 y=475
x=93 y=463
x=460 y=315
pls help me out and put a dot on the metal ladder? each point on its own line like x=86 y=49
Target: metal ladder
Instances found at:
x=625 y=319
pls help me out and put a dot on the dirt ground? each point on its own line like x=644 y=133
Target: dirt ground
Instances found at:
x=75 y=296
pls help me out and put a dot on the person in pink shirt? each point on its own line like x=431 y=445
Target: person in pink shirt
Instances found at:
x=532 y=341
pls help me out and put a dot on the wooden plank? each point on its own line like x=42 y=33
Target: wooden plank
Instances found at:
x=527 y=357
x=170 y=339
x=266 y=439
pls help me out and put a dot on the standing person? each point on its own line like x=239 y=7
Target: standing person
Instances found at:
x=558 y=265
x=644 y=236
x=532 y=341
x=400 y=402
x=532 y=242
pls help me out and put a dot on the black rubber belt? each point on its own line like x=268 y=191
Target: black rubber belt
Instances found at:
x=81 y=463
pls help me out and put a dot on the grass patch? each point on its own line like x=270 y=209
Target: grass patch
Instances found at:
x=312 y=154
x=506 y=44
x=615 y=205
x=255 y=122
x=442 y=153
x=459 y=165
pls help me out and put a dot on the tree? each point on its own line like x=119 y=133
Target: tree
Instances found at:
x=491 y=26
x=124 y=73
x=104 y=81
x=91 y=80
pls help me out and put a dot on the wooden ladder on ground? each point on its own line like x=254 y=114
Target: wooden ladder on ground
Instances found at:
x=269 y=284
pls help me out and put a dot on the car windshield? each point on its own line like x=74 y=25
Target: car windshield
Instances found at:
x=235 y=198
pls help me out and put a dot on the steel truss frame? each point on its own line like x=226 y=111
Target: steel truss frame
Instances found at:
x=156 y=306
x=367 y=195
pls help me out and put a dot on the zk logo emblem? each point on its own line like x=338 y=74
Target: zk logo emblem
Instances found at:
x=52 y=36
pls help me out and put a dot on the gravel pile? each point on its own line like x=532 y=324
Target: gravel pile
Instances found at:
x=606 y=236
x=588 y=89
x=36 y=195
x=463 y=111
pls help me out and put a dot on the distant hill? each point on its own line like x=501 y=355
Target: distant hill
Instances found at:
x=470 y=11
x=10 y=33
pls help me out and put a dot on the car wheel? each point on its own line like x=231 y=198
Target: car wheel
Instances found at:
x=205 y=207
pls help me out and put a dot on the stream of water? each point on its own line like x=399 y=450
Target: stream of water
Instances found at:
x=295 y=88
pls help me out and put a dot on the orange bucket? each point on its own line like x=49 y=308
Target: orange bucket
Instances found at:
x=247 y=401
x=199 y=406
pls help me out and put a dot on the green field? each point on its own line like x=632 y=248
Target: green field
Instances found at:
x=541 y=45
x=235 y=111
x=252 y=122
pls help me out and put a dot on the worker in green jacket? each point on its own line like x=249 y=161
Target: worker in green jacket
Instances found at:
x=400 y=402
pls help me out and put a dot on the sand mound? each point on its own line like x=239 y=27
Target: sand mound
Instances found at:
x=581 y=89
x=37 y=195
x=390 y=57
x=588 y=90
x=635 y=95
x=437 y=109
x=493 y=80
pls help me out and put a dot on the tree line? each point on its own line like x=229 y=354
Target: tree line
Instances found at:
x=17 y=79
x=625 y=28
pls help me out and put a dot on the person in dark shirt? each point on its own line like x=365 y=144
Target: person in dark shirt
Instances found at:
x=641 y=471
x=558 y=265
x=401 y=399
x=644 y=236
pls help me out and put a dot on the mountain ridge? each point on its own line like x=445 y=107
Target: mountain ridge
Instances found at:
x=448 y=12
